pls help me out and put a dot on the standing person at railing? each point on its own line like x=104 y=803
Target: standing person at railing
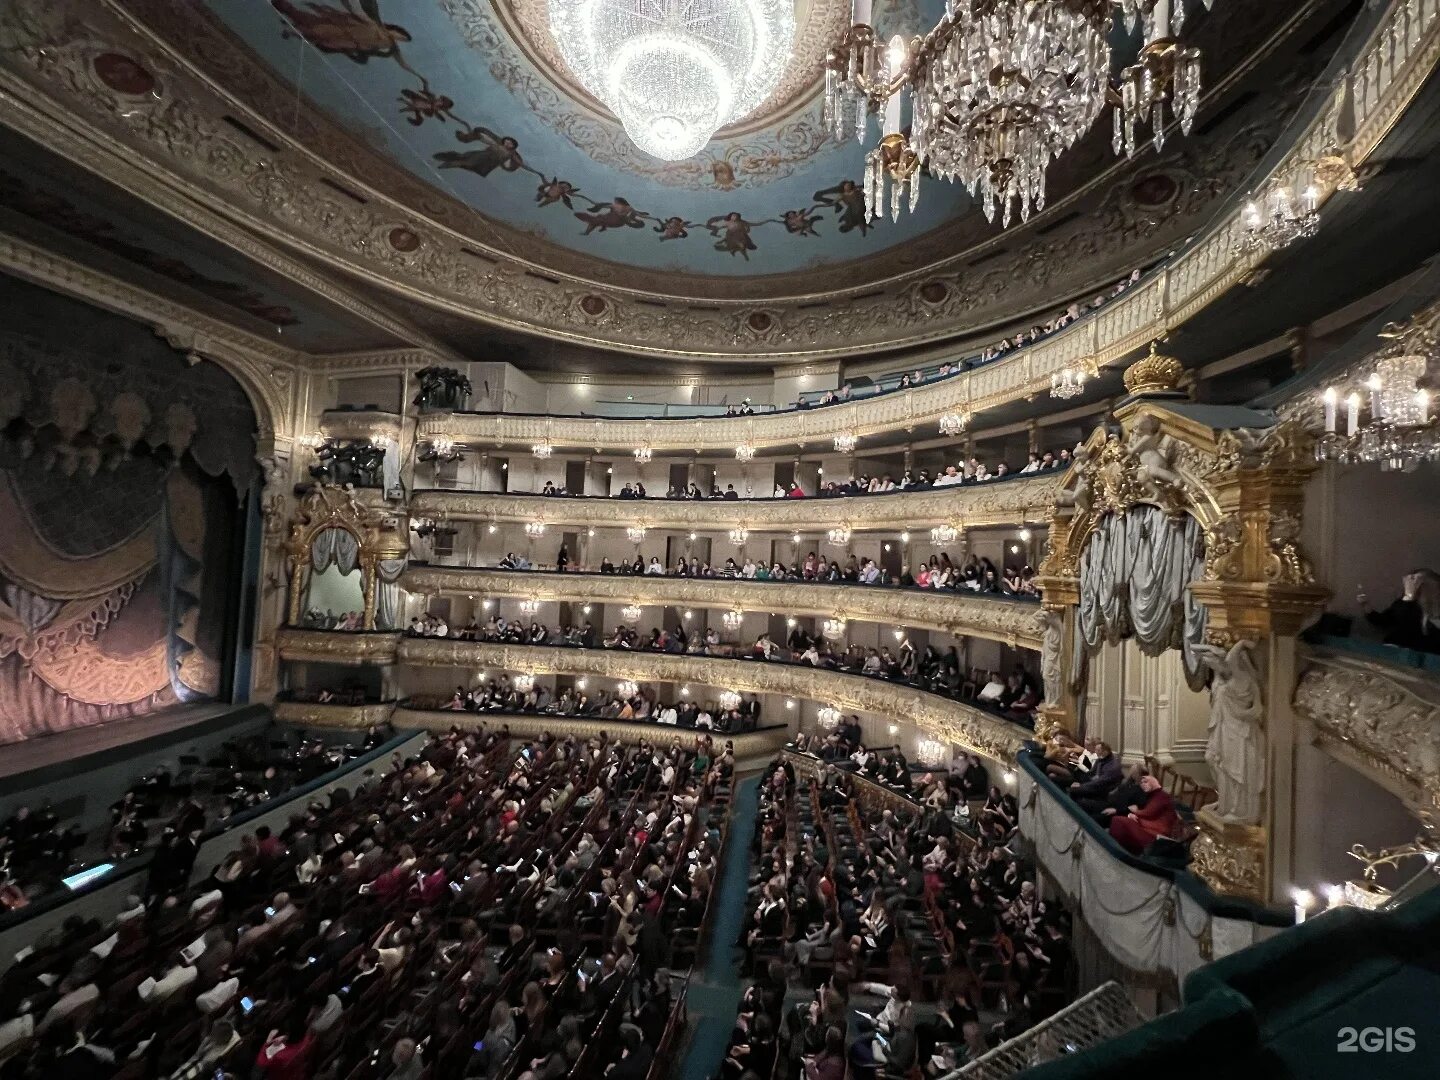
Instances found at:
x=562 y=558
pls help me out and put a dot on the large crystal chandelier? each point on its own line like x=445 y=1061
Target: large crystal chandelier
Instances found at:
x=675 y=71
x=1399 y=432
x=829 y=717
x=732 y=619
x=1001 y=87
x=728 y=700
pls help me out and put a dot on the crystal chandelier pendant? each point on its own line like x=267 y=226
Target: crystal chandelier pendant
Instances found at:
x=675 y=71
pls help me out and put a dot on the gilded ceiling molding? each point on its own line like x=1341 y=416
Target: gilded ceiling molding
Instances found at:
x=337 y=647
x=746 y=745
x=378 y=361
x=1012 y=622
x=951 y=721
x=1008 y=502
x=269 y=372
x=1378 y=718
x=47 y=54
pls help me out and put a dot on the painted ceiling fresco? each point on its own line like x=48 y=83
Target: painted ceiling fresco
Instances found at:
x=460 y=96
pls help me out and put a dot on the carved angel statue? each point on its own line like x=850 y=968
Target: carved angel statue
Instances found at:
x=1052 y=626
x=1080 y=497
x=1148 y=444
x=1233 y=748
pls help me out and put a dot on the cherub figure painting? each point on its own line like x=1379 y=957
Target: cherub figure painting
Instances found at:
x=499 y=152
x=733 y=234
x=674 y=228
x=359 y=35
x=616 y=214
x=848 y=202
x=800 y=222
x=552 y=191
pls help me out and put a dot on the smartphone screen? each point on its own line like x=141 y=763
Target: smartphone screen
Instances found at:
x=246 y=1004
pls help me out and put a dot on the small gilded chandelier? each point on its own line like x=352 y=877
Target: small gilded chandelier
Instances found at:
x=999 y=88
x=630 y=613
x=944 y=534
x=1281 y=215
x=833 y=628
x=534 y=529
x=643 y=454
x=635 y=534
x=543 y=450
x=739 y=536
x=1399 y=433
x=1068 y=382
x=729 y=701
x=744 y=452
x=838 y=536
x=952 y=423
x=732 y=619
x=846 y=442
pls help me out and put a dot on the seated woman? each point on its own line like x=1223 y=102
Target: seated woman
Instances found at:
x=1146 y=821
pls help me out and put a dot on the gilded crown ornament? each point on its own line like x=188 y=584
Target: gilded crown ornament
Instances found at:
x=1155 y=374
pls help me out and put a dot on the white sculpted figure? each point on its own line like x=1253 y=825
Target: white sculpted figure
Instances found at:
x=1080 y=498
x=1052 y=626
x=1233 y=748
x=1147 y=443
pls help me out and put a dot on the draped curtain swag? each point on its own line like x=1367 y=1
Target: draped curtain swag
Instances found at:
x=1134 y=574
x=387 y=593
x=336 y=547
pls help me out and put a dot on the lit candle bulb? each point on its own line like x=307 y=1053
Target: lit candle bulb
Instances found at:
x=1330 y=398
x=1376 y=412
x=861 y=12
x=1352 y=413
x=1303 y=899
x=1422 y=400
x=1334 y=896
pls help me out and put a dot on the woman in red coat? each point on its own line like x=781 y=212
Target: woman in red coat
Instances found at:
x=1155 y=817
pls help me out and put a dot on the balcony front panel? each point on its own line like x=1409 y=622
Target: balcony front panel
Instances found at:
x=1380 y=718
x=338 y=646
x=1003 y=502
x=997 y=618
x=943 y=718
x=332 y=715
x=762 y=743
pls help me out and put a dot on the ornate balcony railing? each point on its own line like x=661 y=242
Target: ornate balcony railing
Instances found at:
x=330 y=714
x=760 y=743
x=945 y=719
x=996 y=502
x=338 y=646
x=1380 y=718
x=997 y=618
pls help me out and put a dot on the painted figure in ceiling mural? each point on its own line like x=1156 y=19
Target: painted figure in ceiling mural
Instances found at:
x=848 y=201
x=552 y=191
x=499 y=152
x=616 y=214
x=801 y=222
x=674 y=228
x=733 y=234
x=343 y=30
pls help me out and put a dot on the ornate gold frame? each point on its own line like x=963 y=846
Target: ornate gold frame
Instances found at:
x=326 y=506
